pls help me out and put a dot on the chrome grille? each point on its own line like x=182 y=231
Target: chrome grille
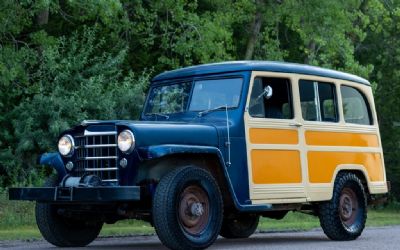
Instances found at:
x=97 y=154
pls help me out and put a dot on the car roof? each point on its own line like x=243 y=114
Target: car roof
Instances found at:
x=234 y=66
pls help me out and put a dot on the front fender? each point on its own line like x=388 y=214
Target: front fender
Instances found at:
x=54 y=160
x=154 y=152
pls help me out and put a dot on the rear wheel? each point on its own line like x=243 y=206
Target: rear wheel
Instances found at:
x=239 y=226
x=61 y=231
x=344 y=216
x=187 y=209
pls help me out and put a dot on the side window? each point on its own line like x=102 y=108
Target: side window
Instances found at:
x=327 y=100
x=271 y=98
x=318 y=101
x=355 y=106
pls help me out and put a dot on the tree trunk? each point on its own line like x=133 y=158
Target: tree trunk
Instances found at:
x=311 y=47
x=42 y=17
x=255 y=31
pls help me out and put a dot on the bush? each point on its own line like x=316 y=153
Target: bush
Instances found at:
x=75 y=79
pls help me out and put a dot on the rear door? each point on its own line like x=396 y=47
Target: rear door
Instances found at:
x=340 y=133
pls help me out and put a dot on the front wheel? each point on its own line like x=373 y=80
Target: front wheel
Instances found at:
x=239 y=226
x=187 y=209
x=61 y=231
x=344 y=216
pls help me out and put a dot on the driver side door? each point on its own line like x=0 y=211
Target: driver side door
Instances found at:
x=273 y=139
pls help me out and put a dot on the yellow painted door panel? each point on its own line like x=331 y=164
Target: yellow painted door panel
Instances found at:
x=276 y=166
x=275 y=161
x=273 y=136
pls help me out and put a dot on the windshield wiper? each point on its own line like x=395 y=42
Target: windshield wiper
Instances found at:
x=158 y=114
x=202 y=113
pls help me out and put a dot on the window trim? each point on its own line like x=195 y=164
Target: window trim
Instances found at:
x=318 y=101
x=367 y=103
x=192 y=80
x=291 y=100
x=145 y=114
x=211 y=79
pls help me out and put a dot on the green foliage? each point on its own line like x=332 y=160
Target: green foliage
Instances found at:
x=48 y=90
x=382 y=48
x=65 y=61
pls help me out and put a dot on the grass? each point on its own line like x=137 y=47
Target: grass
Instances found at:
x=17 y=221
x=122 y=228
x=299 y=221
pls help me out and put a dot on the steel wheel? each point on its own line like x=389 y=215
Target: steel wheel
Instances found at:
x=344 y=216
x=348 y=207
x=193 y=209
x=61 y=231
x=187 y=209
x=237 y=226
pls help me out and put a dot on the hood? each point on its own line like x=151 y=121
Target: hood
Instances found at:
x=148 y=133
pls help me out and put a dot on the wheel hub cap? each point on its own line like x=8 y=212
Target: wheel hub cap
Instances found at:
x=196 y=209
x=347 y=206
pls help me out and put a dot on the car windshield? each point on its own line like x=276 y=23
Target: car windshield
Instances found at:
x=206 y=94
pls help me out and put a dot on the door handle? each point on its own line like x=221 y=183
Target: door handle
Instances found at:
x=295 y=124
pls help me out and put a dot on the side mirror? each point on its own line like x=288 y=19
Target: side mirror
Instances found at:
x=267 y=93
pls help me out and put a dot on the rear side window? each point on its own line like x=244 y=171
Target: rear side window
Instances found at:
x=355 y=106
x=318 y=101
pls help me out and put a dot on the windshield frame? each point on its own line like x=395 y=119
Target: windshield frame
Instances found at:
x=192 y=81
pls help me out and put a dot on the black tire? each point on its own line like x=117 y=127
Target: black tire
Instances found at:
x=239 y=226
x=187 y=209
x=343 y=217
x=61 y=231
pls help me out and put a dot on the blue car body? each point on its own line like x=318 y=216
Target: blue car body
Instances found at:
x=189 y=132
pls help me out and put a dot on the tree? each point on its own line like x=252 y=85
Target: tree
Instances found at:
x=57 y=58
x=382 y=48
x=51 y=80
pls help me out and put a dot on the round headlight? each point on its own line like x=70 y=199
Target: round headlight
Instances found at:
x=66 y=145
x=126 y=141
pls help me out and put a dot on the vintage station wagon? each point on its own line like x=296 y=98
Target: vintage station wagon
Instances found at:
x=216 y=147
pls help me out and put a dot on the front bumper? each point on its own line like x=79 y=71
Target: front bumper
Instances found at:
x=76 y=194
